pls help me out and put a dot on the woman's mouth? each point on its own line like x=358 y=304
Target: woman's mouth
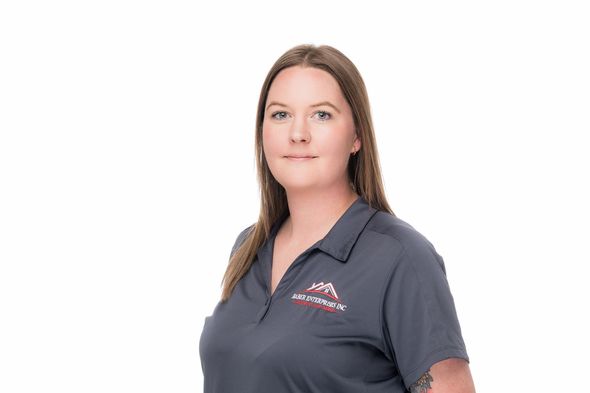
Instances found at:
x=300 y=158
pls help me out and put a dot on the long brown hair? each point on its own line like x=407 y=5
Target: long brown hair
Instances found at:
x=364 y=171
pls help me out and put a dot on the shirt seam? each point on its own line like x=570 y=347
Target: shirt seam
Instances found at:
x=386 y=344
x=425 y=299
x=389 y=276
x=397 y=238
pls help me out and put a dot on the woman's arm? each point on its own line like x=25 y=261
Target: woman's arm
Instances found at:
x=447 y=376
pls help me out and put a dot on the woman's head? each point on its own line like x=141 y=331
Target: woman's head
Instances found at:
x=302 y=76
x=308 y=131
x=306 y=75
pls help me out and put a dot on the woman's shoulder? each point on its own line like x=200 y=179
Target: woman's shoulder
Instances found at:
x=244 y=232
x=241 y=237
x=413 y=243
x=390 y=225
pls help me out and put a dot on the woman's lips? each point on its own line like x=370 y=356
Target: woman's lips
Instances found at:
x=295 y=158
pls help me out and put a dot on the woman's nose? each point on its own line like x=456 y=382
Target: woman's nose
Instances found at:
x=299 y=132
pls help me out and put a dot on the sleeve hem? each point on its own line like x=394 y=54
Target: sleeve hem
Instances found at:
x=430 y=360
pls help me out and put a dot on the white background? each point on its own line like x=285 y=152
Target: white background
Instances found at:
x=127 y=171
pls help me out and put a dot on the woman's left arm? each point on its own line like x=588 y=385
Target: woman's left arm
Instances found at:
x=447 y=376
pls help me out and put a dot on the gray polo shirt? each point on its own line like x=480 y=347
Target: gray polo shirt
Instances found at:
x=365 y=309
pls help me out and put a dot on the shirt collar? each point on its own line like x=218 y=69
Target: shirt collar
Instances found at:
x=341 y=238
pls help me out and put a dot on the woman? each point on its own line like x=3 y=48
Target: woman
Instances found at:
x=329 y=291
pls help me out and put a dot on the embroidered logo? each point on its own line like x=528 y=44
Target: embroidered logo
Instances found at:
x=328 y=301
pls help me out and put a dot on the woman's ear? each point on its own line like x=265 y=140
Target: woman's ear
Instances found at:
x=356 y=146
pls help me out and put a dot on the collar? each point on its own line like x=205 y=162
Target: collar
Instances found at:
x=341 y=238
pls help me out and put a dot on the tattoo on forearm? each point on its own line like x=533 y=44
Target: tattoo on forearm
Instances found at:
x=422 y=384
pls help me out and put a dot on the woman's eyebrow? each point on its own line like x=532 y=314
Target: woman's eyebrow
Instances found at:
x=328 y=103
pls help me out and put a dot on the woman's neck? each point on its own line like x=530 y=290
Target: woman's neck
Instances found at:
x=312 y=214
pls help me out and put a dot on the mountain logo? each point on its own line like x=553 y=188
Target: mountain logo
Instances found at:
x=326 y=289
x=320 y=295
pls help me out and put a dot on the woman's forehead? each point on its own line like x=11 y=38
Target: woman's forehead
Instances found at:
x=297 y=86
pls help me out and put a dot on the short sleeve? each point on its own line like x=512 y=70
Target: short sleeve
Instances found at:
x=421 y=326
x=240 y=239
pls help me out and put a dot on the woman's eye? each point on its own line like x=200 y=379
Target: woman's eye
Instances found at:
x=281 y=115
x=277 y=113
x=325 y=115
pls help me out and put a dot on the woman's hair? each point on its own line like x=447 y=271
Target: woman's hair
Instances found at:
x=363 y=168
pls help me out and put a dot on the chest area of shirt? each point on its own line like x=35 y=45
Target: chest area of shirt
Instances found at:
x=319 y=289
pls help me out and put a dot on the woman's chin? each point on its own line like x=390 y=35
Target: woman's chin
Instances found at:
x=298 y=184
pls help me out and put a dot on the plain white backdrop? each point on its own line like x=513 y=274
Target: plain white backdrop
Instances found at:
x=127 y=171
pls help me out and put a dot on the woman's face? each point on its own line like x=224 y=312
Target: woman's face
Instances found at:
x=306 y=115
